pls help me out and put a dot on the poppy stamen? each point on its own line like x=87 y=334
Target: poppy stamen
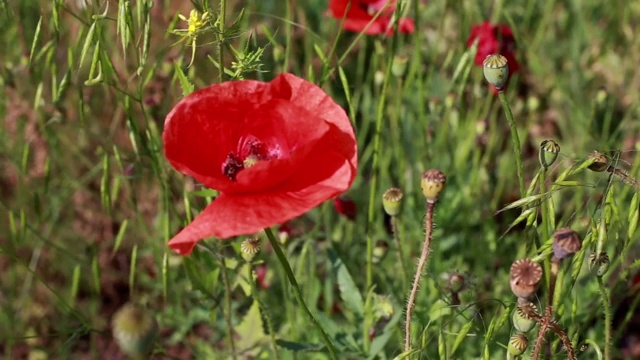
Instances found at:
x=232 y=166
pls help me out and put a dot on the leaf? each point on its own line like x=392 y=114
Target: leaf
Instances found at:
x=378 y=343
x=185 y=84
x=348 y=290
x=251 y=329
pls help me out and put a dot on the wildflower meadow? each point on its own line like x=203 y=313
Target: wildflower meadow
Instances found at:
x=319 y=179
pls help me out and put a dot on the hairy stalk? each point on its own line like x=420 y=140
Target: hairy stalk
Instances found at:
x=543 y=322
x=227 y=306
x=221 y=40
x=607 y=318
x=297 y=293
x=547 y=320
x=265 y=312
x=416 y=280
x=544 y=206
x=624 y=176
x=515 y=141
x=396 y=240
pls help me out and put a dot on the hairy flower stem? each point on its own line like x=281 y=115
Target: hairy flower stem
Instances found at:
x=416 y=280
x=297 y=293
x=265 y=312
x=396 y=240
x=227 y=306
x=607 y=318
x=221 y=39
x=515 y=141
x=555 y=267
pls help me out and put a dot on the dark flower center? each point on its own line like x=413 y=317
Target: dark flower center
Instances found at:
x=250 y=152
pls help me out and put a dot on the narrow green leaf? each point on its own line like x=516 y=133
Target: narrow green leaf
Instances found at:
x=299 y=347
x=36 y=37
x=132 y=269
x=185 y=84
x=87 y=44
x=120 y=236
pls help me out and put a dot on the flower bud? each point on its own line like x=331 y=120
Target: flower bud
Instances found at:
x=548 y=154
x=566 y=242
x=134 y=330
x=522 y=321
x=249 y=248
x=399 y=65
x=432 y=184
x=380 y=251
x=599 y=264
x=525 y=276
x=496 y=70
x=456 y=283
x=518 y=344
x=392 y=201
x=600 y=164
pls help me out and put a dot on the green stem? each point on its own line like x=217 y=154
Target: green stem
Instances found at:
x=221 y=29
x=297 y=293
x=227 y=306
x=607 y=318
x=265 y=313
x=396 y=240
x=544 y=206
x=515 y=141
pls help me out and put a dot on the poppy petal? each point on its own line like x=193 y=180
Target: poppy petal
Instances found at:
x=229 y=216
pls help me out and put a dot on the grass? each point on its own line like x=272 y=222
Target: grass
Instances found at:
x=88 y=202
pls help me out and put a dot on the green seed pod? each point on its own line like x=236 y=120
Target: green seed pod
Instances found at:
x=601 y=162
x=548 y=154
x=432 y=184
x=496 y=70
x=599 y=264
x=249 y=248
x=392 y=201
x=135 y=330
x=525 y=276
x=518 y=344
x=522 y=322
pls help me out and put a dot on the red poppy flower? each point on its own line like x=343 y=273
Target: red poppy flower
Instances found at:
x=494 y=39
x=360 y=16
x=272 y=150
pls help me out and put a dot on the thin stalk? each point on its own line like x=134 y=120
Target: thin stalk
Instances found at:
x=607 y=318
x=544 y=206
x=416 y=280
x=372 y=192
x=227 y=306
x=221 y=39
x=265 y=313
x=297 y=293
x=398 y=243
x=515 y=141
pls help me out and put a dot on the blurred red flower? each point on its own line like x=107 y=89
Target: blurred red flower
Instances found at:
x=494 y=39
x=360 y=16
x=272 y=150
x=345 y=206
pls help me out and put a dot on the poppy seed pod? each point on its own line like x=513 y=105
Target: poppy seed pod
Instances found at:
x=599 y=264
x=496 y=70
x=432 y=184
x=566 y=242
x=518 y=344
x=391 y=201
x=600 y=164
x=522 y=321
x=249 y=248
x=525 y=276
x=135 y=330
x=548 y=154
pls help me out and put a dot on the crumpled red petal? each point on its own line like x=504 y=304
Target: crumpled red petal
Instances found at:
x=229 y=215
